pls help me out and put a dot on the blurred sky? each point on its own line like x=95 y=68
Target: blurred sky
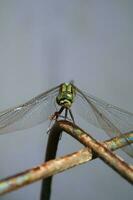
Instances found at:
x=44 y=43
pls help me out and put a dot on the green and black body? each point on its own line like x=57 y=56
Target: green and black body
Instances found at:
x=65 y=98
x=66 y=95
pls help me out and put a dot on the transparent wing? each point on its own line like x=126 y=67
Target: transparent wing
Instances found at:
x=29 y=114
x=113 y=120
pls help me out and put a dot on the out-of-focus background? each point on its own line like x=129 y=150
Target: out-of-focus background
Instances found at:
x=44 y=43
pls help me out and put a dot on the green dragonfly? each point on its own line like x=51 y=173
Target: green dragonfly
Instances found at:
x=58 y=102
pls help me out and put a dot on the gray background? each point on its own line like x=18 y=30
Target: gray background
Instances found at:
x=43 y=43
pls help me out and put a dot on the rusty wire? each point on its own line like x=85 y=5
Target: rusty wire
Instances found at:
x=52 y=167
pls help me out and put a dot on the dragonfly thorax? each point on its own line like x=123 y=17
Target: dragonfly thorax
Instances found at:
x=66 y=95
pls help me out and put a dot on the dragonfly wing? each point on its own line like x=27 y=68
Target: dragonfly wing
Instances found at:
x=113 y=120
x=29 y=114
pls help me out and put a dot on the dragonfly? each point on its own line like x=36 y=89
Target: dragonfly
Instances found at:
x=60 y=99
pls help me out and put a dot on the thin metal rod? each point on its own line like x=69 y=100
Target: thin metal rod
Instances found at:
x=58 y=165
x=51 y=150
x=125 y=170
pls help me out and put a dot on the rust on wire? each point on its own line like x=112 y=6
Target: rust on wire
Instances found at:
x=118 y=164
x=58 y=165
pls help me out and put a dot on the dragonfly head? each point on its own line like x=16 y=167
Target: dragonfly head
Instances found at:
x=66 y=95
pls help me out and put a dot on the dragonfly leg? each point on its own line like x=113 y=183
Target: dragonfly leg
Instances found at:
x=71 y=115
x=56 y=114
x=66 y=112
x=54 y=117
x=72 y=118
